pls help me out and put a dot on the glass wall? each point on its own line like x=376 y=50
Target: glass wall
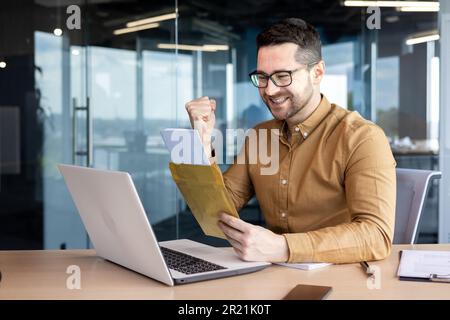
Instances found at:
x=133 y=95
x=405 y=97
x=99 y=96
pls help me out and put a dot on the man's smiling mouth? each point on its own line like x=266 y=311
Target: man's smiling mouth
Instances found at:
x=278 y=100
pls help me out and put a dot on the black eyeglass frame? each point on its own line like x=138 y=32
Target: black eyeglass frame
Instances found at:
x=269 y=76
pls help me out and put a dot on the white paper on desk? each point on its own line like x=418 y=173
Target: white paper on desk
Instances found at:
x=305 y=265
x=423 y=263
x=185 y=146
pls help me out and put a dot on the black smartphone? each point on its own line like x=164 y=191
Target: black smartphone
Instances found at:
x=308 y=292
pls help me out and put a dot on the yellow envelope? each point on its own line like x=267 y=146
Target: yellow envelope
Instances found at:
x=205 y=193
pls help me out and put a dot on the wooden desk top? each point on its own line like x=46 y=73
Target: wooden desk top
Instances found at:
x=42 y=275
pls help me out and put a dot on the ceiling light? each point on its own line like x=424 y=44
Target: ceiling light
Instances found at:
x=188 y=47
x=2 y=64
x=418 y=9
x=422 y=38
x=217 y=47
x=163 y=17
x=57 y=32
x=391 y=4
x=392 y=19
x=138 y=28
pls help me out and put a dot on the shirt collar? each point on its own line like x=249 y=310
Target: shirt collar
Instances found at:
x=311 y=123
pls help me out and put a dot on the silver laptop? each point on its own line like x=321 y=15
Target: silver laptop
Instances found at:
x=116 y=222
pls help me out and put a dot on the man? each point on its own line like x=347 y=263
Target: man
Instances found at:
x=333 y=197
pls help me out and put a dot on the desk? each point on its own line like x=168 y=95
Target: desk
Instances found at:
x=42 y=275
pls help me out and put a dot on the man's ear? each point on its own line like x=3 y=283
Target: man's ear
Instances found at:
x=318 y=72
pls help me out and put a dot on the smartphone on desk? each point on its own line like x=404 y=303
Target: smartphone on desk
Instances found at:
x=308 y=292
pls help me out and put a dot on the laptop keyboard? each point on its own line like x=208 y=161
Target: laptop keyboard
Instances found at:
x=187 y=264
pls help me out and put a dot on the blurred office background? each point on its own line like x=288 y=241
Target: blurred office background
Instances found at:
x=99 y=96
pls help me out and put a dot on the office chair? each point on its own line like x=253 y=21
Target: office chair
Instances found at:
x=412 y=188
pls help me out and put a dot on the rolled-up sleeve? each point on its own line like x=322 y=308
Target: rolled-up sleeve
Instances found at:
x=370 y=189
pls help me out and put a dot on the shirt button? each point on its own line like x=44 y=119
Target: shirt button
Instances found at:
x=305 y=135
x=284 y=182
x=297 y=129
x=283 y=214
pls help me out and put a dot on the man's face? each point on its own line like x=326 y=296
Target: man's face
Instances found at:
x=284 y=102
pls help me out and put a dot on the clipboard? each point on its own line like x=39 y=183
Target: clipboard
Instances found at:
x=424 y=265
x=204 y=190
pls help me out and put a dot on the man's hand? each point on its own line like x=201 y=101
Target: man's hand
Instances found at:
x=253 y=243
x=202 y=117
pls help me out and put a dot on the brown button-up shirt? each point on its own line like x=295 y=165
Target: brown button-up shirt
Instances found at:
x=333 y=195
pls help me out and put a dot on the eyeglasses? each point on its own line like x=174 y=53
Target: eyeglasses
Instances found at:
x=279 y=78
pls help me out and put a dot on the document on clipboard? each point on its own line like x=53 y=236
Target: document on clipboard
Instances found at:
x=200 y=183
x=424 y=265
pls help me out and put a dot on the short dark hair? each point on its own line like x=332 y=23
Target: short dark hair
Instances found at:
x=297 y=31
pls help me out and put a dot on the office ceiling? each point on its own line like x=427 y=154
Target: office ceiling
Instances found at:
x=200 y=21
x=232 y=18
x=227 y=20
